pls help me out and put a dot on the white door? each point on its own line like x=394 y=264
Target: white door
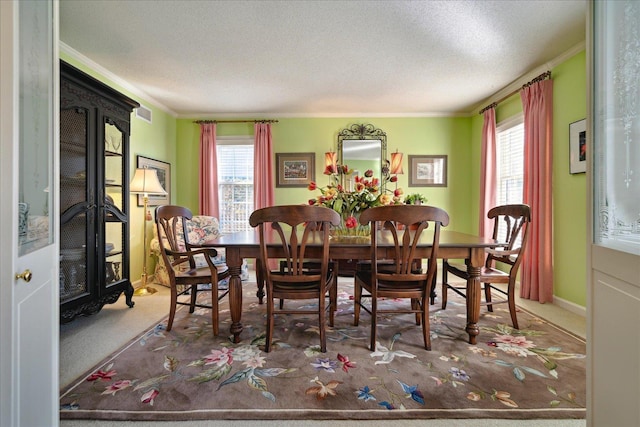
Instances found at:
x=614 y=285
x=29 y=328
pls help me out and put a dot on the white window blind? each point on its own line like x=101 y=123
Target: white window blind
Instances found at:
x=235 y=183
x=510 y=164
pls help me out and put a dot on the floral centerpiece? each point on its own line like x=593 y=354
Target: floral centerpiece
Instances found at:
x=366 y=193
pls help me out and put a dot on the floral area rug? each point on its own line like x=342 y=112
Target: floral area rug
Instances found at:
x=537 y=372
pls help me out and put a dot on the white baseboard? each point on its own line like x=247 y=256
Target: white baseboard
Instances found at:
x=570 y=306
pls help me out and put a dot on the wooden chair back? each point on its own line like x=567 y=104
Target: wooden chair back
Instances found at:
x=295 y=226
x=171 y=222
x=406 y=223
x=515 y=220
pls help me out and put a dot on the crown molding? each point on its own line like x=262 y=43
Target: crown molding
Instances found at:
x=531 y=74
x=114 y=78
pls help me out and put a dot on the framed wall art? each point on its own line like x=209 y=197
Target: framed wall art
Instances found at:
x=427 y=171
x=578 y=146
x=164 y=176
x=295 y=169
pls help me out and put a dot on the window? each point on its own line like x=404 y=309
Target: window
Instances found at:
x=235 y=182
x=510 y=163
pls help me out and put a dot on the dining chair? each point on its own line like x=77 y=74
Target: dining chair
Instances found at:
x=294 y=228
x=179 y=257
x=511 y=226
x=311 y=267
x=398 y=277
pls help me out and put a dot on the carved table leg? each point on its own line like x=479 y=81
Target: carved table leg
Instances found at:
x=260 y=283
x=473 y=303
x=234 y=262
x=474 y=267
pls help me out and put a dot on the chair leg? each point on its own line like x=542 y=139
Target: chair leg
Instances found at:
x=335 y=284
x=433 y=293
x=194 y=296
x=270 y=324
x=512 y=303
x=415 y=307
x=357 y=297
x=214 y=308
x=487 y=296
x=426 y=329
x=172 y=308
x=444 y=284
x=333 y=301
x=321 y=323
x=374 y=322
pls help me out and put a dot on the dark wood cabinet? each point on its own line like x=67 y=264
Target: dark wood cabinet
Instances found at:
x=94 y=194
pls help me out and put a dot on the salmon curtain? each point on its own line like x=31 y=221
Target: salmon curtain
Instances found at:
x=488 y=169
x=263 y=181
x=536 y=274
x=208 y=171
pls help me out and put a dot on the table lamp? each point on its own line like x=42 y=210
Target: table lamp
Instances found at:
x=396 y=165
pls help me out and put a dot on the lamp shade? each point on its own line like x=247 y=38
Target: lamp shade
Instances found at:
x=330 y=161
x=145 y=181
x=396 y=163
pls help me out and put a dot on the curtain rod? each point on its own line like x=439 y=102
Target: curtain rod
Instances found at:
x=234 y=121
x=546 y=74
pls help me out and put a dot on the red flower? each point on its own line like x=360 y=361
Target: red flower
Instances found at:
x=346 y=363
x=368 y=173
x=351 y=222
x=312 y=186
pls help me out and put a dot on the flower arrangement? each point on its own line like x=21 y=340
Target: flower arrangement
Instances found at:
x=366 y=193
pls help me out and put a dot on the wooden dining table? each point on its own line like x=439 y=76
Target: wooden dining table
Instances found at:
x=453 y=245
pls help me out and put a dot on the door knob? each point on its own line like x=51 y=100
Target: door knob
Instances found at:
x=26 y=276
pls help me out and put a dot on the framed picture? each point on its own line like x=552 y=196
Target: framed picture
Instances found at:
x=295 y=169
x=427 y=171
x=578 y=146
x=164 y=176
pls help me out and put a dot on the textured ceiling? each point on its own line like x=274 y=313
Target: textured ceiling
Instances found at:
x=320 y=58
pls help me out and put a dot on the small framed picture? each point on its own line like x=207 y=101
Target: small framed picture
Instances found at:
x=163 y=170
x=295 y=169
x=427 y=171
x=578 y=146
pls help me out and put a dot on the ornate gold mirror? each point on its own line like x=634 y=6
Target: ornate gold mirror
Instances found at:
x=362 y=147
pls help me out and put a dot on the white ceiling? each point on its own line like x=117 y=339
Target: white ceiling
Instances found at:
x=320 y=58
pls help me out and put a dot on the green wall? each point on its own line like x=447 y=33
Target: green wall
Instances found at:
x=177 y=141
x=449 y=136
x=569 y=191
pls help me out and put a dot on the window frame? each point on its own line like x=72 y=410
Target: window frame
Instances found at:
x=245 y=140
x=504 y=126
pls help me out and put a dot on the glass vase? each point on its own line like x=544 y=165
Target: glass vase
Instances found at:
x=350 y=227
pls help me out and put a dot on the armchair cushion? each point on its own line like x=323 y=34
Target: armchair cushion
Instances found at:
x=201 y=228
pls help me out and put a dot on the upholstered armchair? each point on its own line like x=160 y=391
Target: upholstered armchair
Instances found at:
x=201 y=228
